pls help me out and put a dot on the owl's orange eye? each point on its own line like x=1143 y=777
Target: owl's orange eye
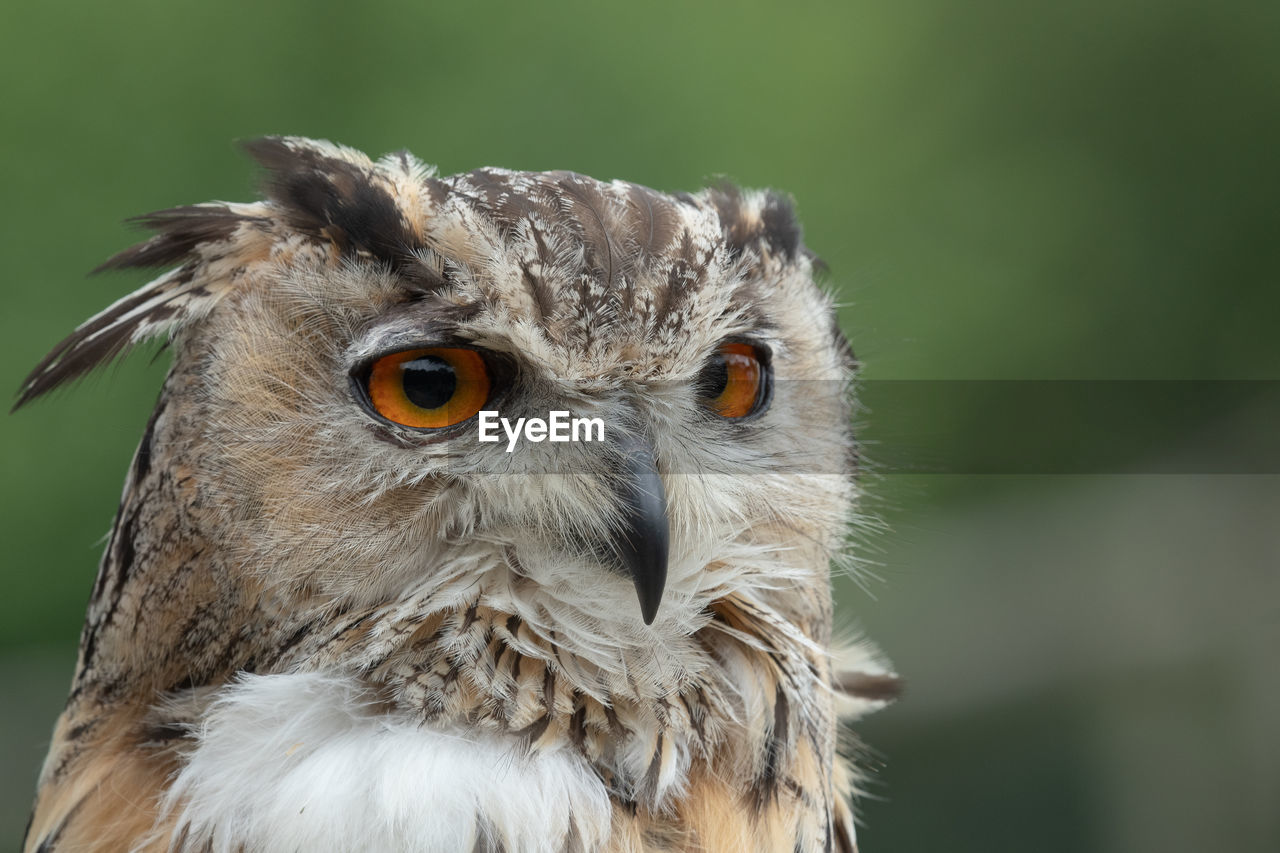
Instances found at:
x=429 y=388
x=735 y=382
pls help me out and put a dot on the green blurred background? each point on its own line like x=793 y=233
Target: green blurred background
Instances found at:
x=1003 y=190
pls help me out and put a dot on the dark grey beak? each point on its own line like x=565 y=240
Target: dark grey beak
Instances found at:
x=642 y=537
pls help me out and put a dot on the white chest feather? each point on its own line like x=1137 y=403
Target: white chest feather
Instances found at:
x=303 y=763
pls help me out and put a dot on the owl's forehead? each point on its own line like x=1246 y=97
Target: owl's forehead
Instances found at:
x=582 y=269
x=608 y=274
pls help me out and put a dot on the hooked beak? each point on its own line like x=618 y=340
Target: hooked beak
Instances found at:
x=642 y=537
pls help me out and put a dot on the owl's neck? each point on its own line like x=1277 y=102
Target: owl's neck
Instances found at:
x=747 y=709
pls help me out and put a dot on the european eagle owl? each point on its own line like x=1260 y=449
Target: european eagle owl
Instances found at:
x=366 y=588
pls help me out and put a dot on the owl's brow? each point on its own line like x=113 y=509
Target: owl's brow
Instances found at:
x=423 y=319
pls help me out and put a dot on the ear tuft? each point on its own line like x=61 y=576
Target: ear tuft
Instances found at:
x=193 y=236
x=179 y=231
x=339 y=195
x=757 y=221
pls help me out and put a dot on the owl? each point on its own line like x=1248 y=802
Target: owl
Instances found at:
x=370 y=588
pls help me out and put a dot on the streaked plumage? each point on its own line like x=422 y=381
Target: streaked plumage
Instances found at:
x=315 y=630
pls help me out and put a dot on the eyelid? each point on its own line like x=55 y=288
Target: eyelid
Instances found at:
x=394 y=338
x=412 y=324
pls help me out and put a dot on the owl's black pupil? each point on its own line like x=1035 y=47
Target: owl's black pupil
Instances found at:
x=429 y=382
x=715 y=377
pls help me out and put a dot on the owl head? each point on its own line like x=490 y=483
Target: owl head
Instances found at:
x=338 y=347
